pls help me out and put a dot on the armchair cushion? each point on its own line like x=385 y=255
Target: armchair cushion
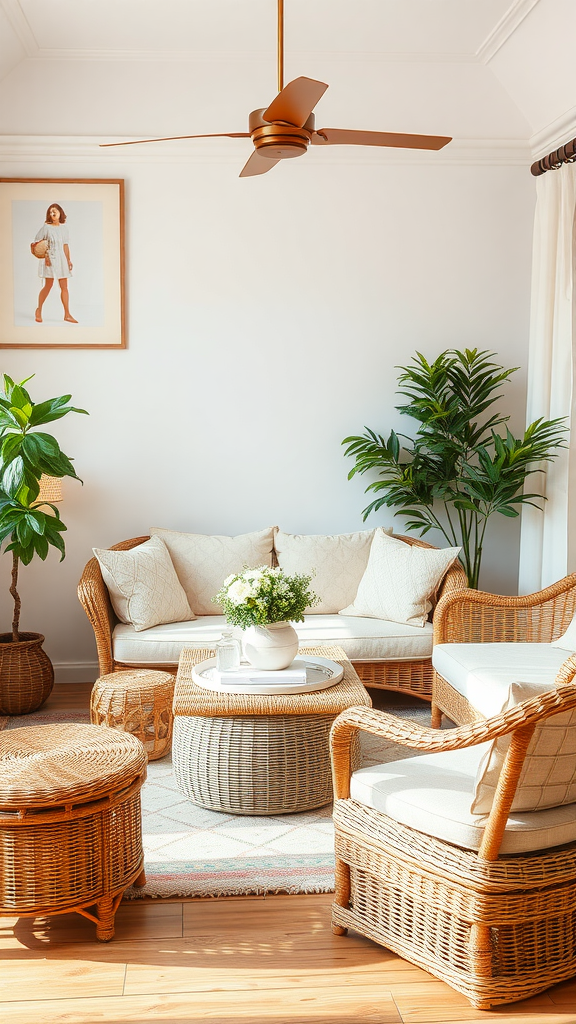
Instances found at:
x=482 y=673
x=143 y=586
x=400 y=580
x=203 y=562
x=548 y=777
x=433 y=794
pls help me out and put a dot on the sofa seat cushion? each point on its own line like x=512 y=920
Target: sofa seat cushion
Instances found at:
x=361 y=639
x=482 y=673
x=433 y=794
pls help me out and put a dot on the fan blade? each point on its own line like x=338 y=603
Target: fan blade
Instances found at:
x=296 y=101
x=257 y=165
x=342 y=137
x=174 y=138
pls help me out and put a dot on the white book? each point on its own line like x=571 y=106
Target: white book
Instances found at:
x=295 y=673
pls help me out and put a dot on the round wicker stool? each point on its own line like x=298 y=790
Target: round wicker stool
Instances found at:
x=138 y=701
x=70 y=825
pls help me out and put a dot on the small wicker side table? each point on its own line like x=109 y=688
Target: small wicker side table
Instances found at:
x=70 y=824
x=258 y=754
x=138 y=701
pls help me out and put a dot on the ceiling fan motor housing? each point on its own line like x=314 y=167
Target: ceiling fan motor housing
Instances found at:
x=278 y=140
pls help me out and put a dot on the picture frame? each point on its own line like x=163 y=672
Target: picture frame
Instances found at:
x=81 y=224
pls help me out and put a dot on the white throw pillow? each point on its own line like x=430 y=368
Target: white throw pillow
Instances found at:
x=338 y=562
x=143 y=585
x=568 y=639
x=203 y=562
x=399 y=580
x=548 y=777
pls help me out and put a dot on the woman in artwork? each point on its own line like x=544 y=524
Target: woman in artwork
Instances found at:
x=57 y=263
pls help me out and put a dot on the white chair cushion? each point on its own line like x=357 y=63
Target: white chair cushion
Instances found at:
x=338 y=563
x=433 y=794
x=399 y=580
x=482 y=673
x=548 y=777
x=361 y=639
x=203 y=562
x=143 y=586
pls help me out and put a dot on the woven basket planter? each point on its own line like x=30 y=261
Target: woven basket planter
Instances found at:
x=26 y=674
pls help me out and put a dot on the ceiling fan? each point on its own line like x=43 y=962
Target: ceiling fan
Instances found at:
x=286 y=128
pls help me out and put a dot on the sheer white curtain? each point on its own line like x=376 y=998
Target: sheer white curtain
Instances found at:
x=547 y=551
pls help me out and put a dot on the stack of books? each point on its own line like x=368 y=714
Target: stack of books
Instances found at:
x=295 y=673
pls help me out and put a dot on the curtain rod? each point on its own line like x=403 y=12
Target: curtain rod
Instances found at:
x=564 y=155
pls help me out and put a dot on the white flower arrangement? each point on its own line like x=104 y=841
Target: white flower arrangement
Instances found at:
x=255 y=597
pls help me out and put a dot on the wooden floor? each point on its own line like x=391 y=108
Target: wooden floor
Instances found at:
x=263 y=960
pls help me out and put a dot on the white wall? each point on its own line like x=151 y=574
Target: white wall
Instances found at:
x=266 y=318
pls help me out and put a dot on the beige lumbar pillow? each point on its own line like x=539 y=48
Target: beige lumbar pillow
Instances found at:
x=337 y=561
x=203 y=562
x=548 y=776
x=143 y=585
x=399 y=580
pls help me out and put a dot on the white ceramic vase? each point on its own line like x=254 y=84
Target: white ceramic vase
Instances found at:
x=271 y=647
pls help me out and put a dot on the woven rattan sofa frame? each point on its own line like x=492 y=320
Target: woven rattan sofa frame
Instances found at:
x=474 y=617
x=413 y=677
x=502 y=901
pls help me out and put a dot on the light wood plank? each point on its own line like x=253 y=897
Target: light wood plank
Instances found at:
x=160 y=921
x=433 y=1001
x=289 y=1006
x=19 y=978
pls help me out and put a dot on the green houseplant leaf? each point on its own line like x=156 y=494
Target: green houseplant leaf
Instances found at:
x=30 y=527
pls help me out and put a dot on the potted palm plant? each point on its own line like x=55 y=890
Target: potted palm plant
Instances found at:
x=31 y=527
x=459 y=470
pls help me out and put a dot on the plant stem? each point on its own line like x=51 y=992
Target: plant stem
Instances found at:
x=16 y=596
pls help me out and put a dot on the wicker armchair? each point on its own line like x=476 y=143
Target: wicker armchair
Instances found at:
x=413 y=677
x=495 y=927
x=472 y=616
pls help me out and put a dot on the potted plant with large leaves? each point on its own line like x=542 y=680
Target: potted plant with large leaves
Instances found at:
x=31 y=527
x=459 y=470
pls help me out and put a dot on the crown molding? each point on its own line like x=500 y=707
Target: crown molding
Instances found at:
x=19 y=23
x=20 y=151
x=553 y=135
x=515 y=15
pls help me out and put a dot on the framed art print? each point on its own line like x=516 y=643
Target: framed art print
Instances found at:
x=62 y=263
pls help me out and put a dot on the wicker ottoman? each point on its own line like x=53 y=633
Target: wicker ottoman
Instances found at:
x=70 y=826
x=255 y=754
x=138 y=701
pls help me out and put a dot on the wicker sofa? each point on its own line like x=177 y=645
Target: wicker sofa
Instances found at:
x=386 y=655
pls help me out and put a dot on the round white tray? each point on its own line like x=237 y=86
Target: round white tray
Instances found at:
x=320 y=674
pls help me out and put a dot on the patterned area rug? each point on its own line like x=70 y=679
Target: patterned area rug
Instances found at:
x=190 y=851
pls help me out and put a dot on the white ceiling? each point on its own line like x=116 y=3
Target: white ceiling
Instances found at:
x=475 y=69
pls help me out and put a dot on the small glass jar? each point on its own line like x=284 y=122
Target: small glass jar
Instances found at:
x=227 y=652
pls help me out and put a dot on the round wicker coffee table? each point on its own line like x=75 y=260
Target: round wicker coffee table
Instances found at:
x=138 y=701
x=70 y=826
x=258 y=754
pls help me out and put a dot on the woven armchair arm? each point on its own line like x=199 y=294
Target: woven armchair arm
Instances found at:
x=473 y=616
x=94 y=598
x=433 y=741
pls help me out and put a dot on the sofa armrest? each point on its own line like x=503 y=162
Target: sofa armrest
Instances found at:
x=473 y=616
x=94 y=598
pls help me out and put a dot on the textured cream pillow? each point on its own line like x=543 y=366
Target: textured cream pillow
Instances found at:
x=202 y=562
x=568 y=639
x=548 y=777
x=143 y=585
x=338 y=562
x=399 y=580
